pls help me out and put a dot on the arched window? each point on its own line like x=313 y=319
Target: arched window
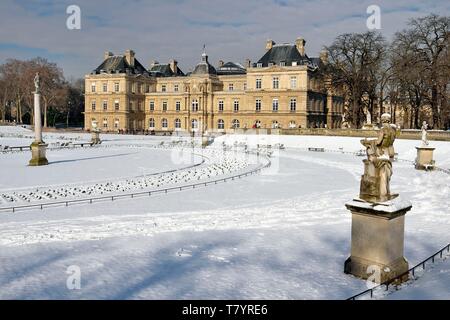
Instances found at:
x=221 y=124
x=151 y=123
x=194 y=124
x=177 y=124
x=194 y=105
x=274 y=124
x=164 y=123
x=236 y=124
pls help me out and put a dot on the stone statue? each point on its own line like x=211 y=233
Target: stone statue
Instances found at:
x=37 y=83
x=368 y=116
x=425 y=134
x=378 y=166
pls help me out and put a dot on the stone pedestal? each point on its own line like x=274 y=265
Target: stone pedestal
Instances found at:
x=424 y=160
x=377 y=239
x=95 y=137
x=38 y=157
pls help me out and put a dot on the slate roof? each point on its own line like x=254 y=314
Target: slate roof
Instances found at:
x=164 y=70
x=286 y=53
x=204 y=67
x=118 y=64
x=231 y=68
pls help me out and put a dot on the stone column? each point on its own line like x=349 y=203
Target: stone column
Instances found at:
x=38 y=147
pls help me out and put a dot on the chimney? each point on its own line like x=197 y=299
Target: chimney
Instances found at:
x=174 y=66
x=300 y=44
x=221 y=63
x=129 y=57
x=269 y=44
x=248 y=63
x=324 y=56
x=108 y=54
x=153 y=63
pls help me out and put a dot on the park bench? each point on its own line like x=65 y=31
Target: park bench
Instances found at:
x=316 y=149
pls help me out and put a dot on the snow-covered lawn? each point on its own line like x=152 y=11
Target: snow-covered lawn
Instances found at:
x=282 y=234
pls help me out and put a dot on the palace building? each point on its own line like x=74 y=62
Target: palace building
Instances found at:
x=283 y=89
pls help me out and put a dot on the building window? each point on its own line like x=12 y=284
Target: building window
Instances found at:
x=293 y=82
x=293 y=105
x=116 y=87
x=93 y=86
x=163 y=88
x=275 y=105
x=178 y=106
x=194 y=105
x=294 y=63
x=147 y=88
x=105 y=87
x=258 y=83
x=230 y=87
x=164 y=123
x=105 y=105
x=164 y=106
x=275 y=83
x=274 y=124
x=259 y=65
x=139 y=105
x=116 y=105
x=105 y=123
x=116 y=123
x=282 y=64
x=139 y=87
x=236 y=124
x=220 y=105
x=133 y=87
x=236 y=106
x=270 y=64
x=152 y=105
x=176 y=88
x=151 y=123
x=177 y=124
x=245 y=86
x=93 y=105
x=194 y=124
x=131 y=105
x=258 y=105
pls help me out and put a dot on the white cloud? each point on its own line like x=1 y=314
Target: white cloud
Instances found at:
x=232 y=30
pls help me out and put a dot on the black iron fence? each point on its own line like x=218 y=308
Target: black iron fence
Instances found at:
x=91 y=200
x=411 y=274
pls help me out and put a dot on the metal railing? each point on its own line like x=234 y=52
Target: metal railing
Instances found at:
x=137 y=194
x=409 y=273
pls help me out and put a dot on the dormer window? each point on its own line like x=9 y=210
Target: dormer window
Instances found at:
x=259 y=65
x=270 y=64
x=282 y=64
x=163 y=88
x=294 y=63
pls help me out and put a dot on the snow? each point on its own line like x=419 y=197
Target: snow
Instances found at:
x=281 y=234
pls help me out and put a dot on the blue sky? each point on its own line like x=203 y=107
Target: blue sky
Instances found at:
x=232 y=30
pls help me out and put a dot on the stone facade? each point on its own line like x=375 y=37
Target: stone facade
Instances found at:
x=122 y=95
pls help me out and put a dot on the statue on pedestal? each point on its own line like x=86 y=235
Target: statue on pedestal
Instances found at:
x=378 y=217
x=38 y=147
x=95 y=133
x=424 y=160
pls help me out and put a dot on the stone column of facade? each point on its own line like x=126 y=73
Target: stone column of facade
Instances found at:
x=38 y=147
x=378 y=216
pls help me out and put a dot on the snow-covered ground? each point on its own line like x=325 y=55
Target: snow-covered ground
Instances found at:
x=282 y=234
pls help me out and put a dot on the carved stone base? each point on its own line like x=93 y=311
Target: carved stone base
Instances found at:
x=95 y=137
x=424 y=160
x=38 y=154
x=377 y=239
